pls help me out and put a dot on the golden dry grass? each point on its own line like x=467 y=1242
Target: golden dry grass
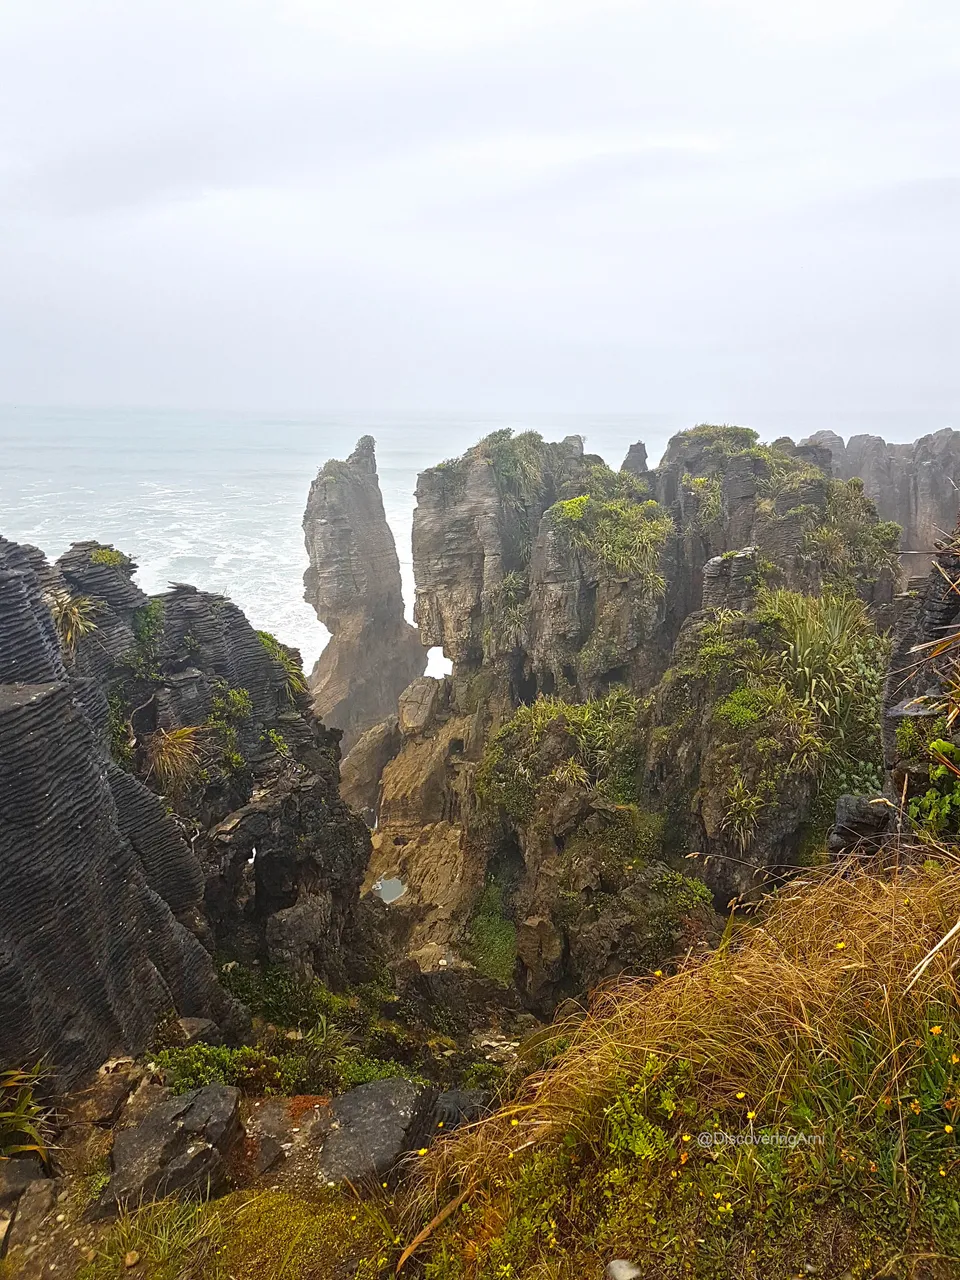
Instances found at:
x=824 y=994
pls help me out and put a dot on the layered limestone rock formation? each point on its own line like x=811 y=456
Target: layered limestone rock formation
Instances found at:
x=164 y=792
x=545 y=795
x=915 y=484
x=97 y=885
x=353 y=582
x=191 y=687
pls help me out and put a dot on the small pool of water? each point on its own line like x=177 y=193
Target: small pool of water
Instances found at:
x=390 y=890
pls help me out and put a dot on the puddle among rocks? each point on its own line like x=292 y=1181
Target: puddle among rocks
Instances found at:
x=390 y=890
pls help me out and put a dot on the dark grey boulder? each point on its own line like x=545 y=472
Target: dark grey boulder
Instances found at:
x=180 y=1148
x=15 y=1176
x=33 y=1208
x=367 y=1130
x=861 y=826
x=200 y=1031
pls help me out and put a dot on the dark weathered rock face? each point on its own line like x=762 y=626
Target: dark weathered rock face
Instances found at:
x=281 y=856
x=94 y=872
x=353 y=582
x=916 y=484
x=107 y=914
x=180 y=1148
x=365 y=1131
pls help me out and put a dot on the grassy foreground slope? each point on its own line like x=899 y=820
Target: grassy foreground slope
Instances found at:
x=824 y=1041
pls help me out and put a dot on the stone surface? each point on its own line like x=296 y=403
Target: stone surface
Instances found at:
x=362 y=770
x=353 y=582
x=916 y=484
x=36 y=1203
x=179 y=1148
x=102 y=1102
x=199 y=1031
x=16 y=1175
x=523 y=610
x=366 y=1130
x=91 y=951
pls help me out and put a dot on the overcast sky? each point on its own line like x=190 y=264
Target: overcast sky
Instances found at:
x=513 y=204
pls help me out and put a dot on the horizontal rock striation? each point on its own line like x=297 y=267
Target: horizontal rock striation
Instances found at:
x=91 y=954
x=353 y=582
x=279 y=857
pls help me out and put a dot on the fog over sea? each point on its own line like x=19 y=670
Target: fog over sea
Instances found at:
x=217 y=499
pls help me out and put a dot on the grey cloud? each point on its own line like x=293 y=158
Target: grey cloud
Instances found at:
x=641 y=206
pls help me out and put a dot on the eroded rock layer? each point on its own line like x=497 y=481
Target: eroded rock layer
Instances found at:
x=91 y=954
x=353 y=582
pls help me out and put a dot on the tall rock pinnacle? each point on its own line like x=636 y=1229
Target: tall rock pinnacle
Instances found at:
x=353 y=582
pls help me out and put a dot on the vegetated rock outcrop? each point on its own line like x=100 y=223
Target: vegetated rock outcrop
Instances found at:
x=920 y=733
x=214 y=715
x=166 y=793
x=353 y=582
x=97 y=886
x=624 y=694
x=915 y=484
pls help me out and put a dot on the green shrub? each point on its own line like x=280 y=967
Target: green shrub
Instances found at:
x=108 y=555
x=246 y=1068
x=743 y=707
x=602 y=752
x=623 y=539
x=72 y=617
x=294 y=680
x=148 y=637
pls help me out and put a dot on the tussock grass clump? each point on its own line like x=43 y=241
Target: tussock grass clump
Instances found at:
x=174 y=756
x=73 y=617
x=23 y=1120
x=825 y=1042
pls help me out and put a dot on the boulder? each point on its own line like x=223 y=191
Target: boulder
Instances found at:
x=179 y=1148
x=15 y=1176
x=33 y=1208
x=200 y=1031
x=363 y=768
x=367 y=1130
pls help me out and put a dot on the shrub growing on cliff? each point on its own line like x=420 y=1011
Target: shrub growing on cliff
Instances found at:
x=808 y=704
x=173 y=757
x=109 y=555
x=597 y=736
x=850 y=544
x=295 y=681
x=148 y=636
x=623 y=539
x=491 y=942
x=73 y=617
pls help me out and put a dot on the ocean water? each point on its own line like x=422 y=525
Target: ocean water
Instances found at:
x=217 y=499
